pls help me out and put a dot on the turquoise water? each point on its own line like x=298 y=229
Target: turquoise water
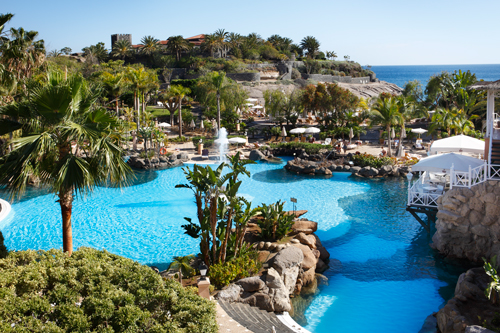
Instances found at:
x=389 y=279
x=400 y=75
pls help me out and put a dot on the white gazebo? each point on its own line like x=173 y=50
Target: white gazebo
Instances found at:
x=458 y=143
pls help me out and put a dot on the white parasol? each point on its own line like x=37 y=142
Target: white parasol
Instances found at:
x=283 y=131
x=458 y=143
x=393 y=135
x=258 y=107
x=201 y=125
x=251 y=100
x=299 y=130
x=312 y=130
x=237 y=141
x=193 y=125
x=221 y=141
x=351 y=134
x=164 y=125
x=419 y=131
x=441 y=162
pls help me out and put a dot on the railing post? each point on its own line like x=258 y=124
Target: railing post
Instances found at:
x=470 y=176
x=452 y=176
x=486 y=169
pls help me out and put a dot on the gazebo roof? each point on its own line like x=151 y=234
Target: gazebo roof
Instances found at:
x=486 y=85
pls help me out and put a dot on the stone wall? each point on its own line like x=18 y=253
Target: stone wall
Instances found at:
x=336 y=78
x=244 y=76
x=468 y=222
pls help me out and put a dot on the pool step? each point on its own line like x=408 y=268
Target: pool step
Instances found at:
x=254 y=319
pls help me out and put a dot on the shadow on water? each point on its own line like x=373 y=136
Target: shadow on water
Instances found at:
x=141 y=177
x=150 y=204
x=396 y=246
x=277 y=176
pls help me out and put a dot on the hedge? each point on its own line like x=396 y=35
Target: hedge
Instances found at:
x=94 y=291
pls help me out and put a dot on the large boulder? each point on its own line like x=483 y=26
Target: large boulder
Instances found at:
x=183 y=156
x=256 y=155
x=278 y=292
x=304 y=226
x=231 y=293
x=308 y=240
x=251 y=284
x=385 y=170
x=287 y=264
x=309 y=257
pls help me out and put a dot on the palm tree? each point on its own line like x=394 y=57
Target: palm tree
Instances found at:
x=182 y=265
x=442 y=120
x=311 y=45
x=140 y=80
x=149 y=45
x=122 y=49
x=216 y=82
x=176 y=45
x=386 y=113
x=220 y=37
x=67 y=114
x=180 y=93
x=114 y=84
x=210 y=44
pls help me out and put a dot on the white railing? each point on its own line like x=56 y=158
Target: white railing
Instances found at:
x=494 y=171
x=469 y=178
x=417 y=196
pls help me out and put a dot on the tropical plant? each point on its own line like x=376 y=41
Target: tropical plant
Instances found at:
x=246 y=265
x=149 y=45
x=179 y=92
x=114 y=84
x=3 y=248
x=95 y=291
x=122 y=49
x=95 y=53
x=311 y=45
x=275 y=223
x=385 y=112
x=176 y=45
x=493 y=289
x=65 y=110
x=214 y=82
x=182 y=264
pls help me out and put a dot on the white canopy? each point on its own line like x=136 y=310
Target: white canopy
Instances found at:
x=164 y=125
x=418 y=130
x=298 y=130
x=237 y=140
x=458 y=143
x=442 y=162
x=312 y=130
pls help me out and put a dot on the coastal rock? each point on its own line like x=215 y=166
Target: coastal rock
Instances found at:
x=183 y=156
x=231 y=293
x=309 y=258
x=251 y=284
x=306 y=240
x=305 y=226
x=287 y=263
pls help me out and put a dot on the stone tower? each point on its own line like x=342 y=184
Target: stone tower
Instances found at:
x=117 y=37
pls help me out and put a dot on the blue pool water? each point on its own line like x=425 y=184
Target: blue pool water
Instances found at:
x=389 y=280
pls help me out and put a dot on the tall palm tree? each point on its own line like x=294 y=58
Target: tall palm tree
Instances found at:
x=216 y=82
x=114 y=83
x=169 y=101
x=385 y=112
x=140 y=80
x=220 y=36
x=311 y=45
x=176 y=45
x=210 y=44
x=149 y=45
x=180 y=93
x=122 y=49
x=66 y=112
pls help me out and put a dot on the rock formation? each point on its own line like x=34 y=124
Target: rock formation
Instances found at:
x=468 y=222
x=462 y=312
x=162 y=162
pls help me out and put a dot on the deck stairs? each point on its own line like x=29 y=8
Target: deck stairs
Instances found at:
x=256 y=320
x=495 y=159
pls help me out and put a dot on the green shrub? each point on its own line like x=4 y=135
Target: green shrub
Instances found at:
x=3 y=248
x=372 y=161
x=238 y=268
x=275 y=223
x=94 y=291
x=310 y=148
x=177 y=139
x=207 y=142
x=149 y=154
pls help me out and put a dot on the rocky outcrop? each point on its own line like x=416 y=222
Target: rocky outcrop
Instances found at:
x=468 y=222
x=326 y=167
x=292 y=267
x=256 y=155
x=469 y=308
x=157 y=163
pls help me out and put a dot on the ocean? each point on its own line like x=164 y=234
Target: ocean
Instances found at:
x=400 y=75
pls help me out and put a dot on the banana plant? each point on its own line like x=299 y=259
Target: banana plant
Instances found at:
x=493 y=287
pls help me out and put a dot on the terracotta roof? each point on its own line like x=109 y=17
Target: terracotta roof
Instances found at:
x=486 y=85
x=137 y=46
x=202 y=36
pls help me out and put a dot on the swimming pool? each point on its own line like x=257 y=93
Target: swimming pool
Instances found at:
x=389 y=280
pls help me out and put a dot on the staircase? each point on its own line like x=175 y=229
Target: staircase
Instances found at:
x=495 y=152
x=256 y=320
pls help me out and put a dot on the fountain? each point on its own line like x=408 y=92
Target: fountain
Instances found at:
x=222 y=144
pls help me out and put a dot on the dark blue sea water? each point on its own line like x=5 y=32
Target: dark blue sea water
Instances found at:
x=401 y=74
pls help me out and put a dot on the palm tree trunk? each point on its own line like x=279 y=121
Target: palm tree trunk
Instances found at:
x=218 y=110
x=213 y=227
x=117 y=112
x=66 y=203
x=389 y=140
x=180 y=117
x=229 y=226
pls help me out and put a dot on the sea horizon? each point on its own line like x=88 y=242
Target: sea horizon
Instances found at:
x=401 y=74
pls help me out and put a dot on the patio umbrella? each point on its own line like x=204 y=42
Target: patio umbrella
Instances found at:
x=201 y=125
x=441 y=162
x=251 y=100
x=312 y=130
x=419 y=131
x=248 y=104
x=221 y=140
x=400 y=146
x=164 y=125
x=237 y=141
x=351 y=135
x=393 y=135
x=298 y=130
x=192 y=124
x=258 y=107
x=458 y=143
x=283 y=131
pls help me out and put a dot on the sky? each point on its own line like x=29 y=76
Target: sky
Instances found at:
x=371 y=32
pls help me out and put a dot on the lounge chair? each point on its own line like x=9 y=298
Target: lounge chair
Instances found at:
x=303 y=139
x=273 y=138
x=257 y=145
x=279 y=139
x=204 y=154
x=296 y=140
x=328 y=141
x=287 y=139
